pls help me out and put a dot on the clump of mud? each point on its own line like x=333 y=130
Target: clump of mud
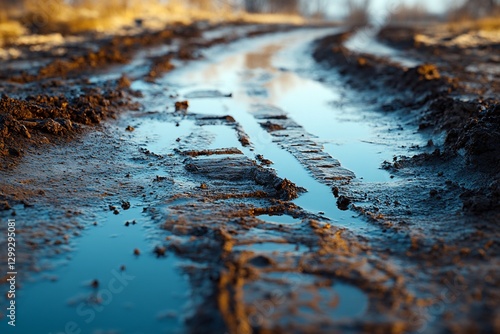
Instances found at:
x=241 y=169
x=160 y=66
x=445 y=208
x=424 y=79
x=27 y=117
x=471 y=128
x=117 y=50
x=40 y=118
x=478 y=134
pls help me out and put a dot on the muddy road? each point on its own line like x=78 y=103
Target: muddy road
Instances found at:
x=237 y=184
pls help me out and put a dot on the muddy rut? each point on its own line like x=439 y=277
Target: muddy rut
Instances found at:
x=222 y=192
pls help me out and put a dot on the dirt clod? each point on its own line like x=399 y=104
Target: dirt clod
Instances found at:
x=343 y=202
x=181 y=105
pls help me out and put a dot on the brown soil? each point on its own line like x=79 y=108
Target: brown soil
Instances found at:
x=429 y=265
x=29 y=119
x=447 y=202
x=41 y=119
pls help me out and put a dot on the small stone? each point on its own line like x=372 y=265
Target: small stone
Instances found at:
x=129 y=128
x=4 y=206
x=343 y=203
x=125 y=205
x=124 y=82
x=160 y=251
x=362 y=62
x=181 y=105
x=428 y=72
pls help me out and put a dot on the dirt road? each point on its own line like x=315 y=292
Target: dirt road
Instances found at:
x=241 y=191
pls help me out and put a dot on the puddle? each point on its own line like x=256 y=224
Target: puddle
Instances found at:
x=122 y=294
x=159 y=136
x=204 y=94
x=225 y=137
x=280 y=219
x=365 y=41
x=267 y=70
x=240 y=69
x=271 y=247
x=340 y=302
x=357 y=155
x=336 y=301
x=228 y=31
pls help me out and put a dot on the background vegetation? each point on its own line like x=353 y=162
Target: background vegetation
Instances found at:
x=18 y=17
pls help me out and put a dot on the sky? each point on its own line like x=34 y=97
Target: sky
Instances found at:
x=435 y=6
x=380 y=8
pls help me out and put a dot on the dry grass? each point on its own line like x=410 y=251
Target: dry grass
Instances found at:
x=486 y=24
x=10 y=30
x=410 y=14
x=271 y=18
x=358 y=12
x=52 y=16
x=58 y=16
x=490 y=24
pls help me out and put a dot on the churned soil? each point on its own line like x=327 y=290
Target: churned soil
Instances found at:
x=430 y=265
x=448 y=200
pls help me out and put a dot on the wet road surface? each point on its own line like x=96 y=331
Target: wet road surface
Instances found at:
x=261 y=99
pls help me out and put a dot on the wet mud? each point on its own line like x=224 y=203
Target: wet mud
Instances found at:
x=63 y=110
x=448 y=204
x=211 y=188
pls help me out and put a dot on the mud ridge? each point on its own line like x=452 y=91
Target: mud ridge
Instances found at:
x=454 y=177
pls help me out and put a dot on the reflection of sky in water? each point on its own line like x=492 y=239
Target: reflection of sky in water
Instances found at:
x=282 y=219
x=160 y=137
x=380 y=8
x=339 y=300
x=258 y=67
x=365 y=41
x=256 y=77
x=263 y=71
x=126 y=303
x=268 y=247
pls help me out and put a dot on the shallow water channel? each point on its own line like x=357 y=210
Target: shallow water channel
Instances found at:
x=146 y=294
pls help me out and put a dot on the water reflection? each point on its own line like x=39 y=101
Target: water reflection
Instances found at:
x=262 y=58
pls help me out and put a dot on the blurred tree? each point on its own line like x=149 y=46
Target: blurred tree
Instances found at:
x=274 y=6
x=10 y=3
x=254 y=6
x=7 y=7
x=285 y=6
x=201 y=4
x=410 y=13
x=358 y=12
x=478 y=8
